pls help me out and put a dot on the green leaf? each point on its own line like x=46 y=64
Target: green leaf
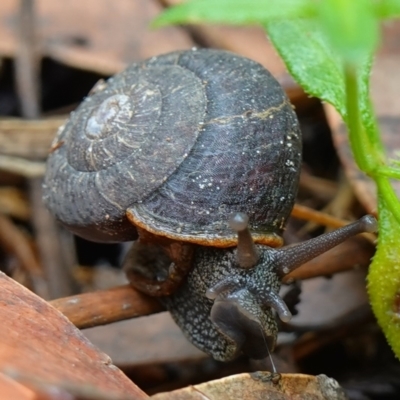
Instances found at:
x=388 y=9
x=310 y=59
x=350 y=26
x=314 y=64
x=384 y=278
x=235 y=11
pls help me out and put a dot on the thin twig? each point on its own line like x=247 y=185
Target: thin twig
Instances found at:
x=22 y=166
x=106 y=306
x=15 y=242
x=30 y=139
x=56 y=248
x=27 y=62
x=321 y=218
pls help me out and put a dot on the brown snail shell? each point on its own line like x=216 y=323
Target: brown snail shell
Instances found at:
x=175 y=145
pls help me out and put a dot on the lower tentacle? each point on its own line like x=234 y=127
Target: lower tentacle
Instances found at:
x=191 y=312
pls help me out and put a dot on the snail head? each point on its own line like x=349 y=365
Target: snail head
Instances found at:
x=246 y=301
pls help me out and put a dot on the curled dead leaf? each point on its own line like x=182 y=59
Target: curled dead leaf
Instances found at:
x=261 y=385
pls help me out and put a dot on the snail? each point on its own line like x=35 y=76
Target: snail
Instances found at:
x=195 y=155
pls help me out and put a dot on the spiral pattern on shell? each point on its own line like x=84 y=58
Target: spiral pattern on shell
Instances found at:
x=117 y=147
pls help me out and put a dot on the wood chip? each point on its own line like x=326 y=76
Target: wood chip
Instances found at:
x=37 y=340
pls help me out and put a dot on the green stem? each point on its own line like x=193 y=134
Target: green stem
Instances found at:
x=368 y=157
x=391 y=200
x=389 y=172
x=359 y=141
x=371 y=126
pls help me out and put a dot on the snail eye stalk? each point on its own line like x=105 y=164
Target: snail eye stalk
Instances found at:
x=247 y=254
x=289 y=258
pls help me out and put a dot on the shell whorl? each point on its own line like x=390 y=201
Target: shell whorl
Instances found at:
x=120 y=144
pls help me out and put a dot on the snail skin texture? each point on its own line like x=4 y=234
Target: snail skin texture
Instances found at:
x=195 y=155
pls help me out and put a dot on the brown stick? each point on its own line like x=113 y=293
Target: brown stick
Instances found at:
x=27 y=61
x=309 y=214
x=106 y=306
x=354 y=252
x=28 y=139
x=321 y=218
x=14 y=242
x=55 y=245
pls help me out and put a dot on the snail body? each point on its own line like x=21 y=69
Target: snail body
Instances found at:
x=165 y=153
